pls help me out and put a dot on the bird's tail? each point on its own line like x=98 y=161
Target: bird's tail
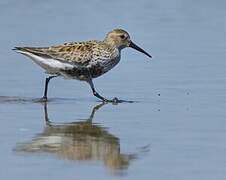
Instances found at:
x=31 y=50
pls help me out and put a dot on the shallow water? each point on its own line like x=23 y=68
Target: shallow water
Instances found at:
x=176 y=127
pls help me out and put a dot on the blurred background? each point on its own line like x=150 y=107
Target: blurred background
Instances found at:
x=175 y=130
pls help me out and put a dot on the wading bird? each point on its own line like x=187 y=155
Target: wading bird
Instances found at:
x=81 y=60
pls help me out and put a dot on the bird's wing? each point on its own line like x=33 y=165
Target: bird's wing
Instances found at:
x=78 y=53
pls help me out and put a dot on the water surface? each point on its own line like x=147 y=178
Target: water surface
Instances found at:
x=176 y=128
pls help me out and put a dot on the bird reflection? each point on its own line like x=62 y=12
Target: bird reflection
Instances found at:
x=81 y=140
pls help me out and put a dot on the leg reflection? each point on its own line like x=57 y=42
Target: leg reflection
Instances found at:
x=90 y=119
x=80 y=140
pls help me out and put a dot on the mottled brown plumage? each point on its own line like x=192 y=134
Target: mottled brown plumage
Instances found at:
x=81 y=60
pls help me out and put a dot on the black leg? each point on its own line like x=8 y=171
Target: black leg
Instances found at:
x=114 y=100
x=96 y=93
x=99 y=96
x=44 y=98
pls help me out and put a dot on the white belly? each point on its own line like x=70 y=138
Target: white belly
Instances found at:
x=52 y=66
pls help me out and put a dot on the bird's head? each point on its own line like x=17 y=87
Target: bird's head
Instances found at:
x=121 y=39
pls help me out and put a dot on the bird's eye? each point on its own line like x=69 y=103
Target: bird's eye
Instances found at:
x=122 y=36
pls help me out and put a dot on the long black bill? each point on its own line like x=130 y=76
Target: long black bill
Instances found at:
x=134 y=46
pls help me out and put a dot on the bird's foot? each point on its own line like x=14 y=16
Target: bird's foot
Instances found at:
x=115 y=100
x=42 y=100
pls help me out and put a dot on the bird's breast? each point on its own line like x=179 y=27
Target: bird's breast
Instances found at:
x=102 y=66
x=95 y=68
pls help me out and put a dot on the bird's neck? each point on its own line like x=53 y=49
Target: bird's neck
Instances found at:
x=113 y=44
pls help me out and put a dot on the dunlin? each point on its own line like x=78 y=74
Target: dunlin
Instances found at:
x=81 y=60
